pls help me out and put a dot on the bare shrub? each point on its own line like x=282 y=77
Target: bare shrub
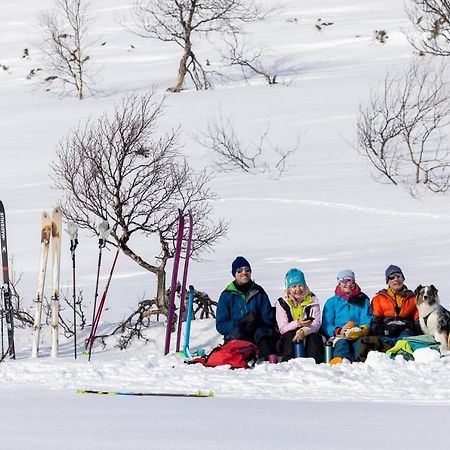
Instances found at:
x=431 y=19
x=403 y=130
x=230 y=153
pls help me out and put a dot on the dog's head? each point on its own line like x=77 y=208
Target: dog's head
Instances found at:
x=426 y=294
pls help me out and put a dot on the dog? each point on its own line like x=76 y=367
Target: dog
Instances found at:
x=433 y=317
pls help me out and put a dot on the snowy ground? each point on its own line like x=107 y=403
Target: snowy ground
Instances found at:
x=325 y=214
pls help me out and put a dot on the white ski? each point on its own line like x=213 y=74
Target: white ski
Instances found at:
x=46 y=232
x=56 y=258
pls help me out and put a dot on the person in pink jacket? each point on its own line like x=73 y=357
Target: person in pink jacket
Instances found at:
x=298 y=318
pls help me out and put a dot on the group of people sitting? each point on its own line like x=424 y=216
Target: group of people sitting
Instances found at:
x=349 y=317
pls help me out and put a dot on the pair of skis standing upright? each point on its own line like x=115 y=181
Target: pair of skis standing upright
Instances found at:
x=173 y=287
x=50 y=235
x=7 y=308
x=51 y=231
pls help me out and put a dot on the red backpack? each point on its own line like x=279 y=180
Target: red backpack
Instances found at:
x=235 y=353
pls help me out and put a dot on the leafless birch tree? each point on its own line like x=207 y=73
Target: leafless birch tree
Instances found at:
x=404 y=128
x=249 y=57
x=66 y=46
x=180 y=21
x=431 y=18
x=121 y=169
x=231 y=153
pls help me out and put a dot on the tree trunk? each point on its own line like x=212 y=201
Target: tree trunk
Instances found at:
x=161 y=291
x=182 y=70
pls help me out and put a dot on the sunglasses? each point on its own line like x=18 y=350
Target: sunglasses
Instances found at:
x=243 y=269
x=347 y=281
x=395 y=275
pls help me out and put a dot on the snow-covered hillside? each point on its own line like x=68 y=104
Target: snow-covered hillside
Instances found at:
x=325 y=214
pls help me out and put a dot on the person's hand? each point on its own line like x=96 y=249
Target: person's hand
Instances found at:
x=247 y=323
x=299 y=336
x=347 y=327
x=304 y=323
x=354 y=333
x=357 y=332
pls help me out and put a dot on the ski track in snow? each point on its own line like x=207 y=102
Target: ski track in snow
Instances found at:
x=345 y=206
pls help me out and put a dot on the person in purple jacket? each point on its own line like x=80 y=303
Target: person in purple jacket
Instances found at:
x=298 y=318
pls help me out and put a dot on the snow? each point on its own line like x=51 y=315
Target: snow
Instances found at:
x=326 y=213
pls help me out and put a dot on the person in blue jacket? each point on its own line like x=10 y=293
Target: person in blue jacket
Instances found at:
x=244 y=310
x=346 y=317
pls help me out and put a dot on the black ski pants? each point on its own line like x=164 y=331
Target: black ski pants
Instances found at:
x=314 y=347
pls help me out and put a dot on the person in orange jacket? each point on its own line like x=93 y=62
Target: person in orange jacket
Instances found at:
x=394 y=309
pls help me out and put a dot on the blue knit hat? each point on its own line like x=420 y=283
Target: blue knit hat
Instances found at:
x=240 y=261
x=392 y=269
x=294 y=277
x=347 y=273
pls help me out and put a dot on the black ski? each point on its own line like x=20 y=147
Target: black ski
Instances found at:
x=6 y=285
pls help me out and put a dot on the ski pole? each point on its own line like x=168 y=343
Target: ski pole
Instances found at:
x=183 y=284
x=176 y=263
x=187 y=332
x=102 y=231
x=101 y=304
x=72 y=231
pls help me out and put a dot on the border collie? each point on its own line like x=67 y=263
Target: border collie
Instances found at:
x=434 y=318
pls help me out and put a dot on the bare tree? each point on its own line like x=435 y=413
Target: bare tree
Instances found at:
x=403 y=129
x=120 y=169
x=179 y=21
x=248 y=57
x=230 y=153
x=66 y=46
x=134 y=326
x=431 y=18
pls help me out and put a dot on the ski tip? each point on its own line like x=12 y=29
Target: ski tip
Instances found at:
x=204 y=394
x=88 y=391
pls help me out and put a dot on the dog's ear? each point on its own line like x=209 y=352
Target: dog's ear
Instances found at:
x=417 y=290
x=433 y=288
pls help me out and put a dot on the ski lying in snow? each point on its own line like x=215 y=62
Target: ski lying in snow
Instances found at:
x=197 y=394
x=56 y=262
x=6 y=286
x=46 y=233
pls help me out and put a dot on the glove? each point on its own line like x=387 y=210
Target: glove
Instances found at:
x=357 y=332
x=395 y=327
x=354 y=333
x=247 y=323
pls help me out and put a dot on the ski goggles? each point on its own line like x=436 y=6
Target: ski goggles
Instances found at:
x=347 y=281
x=243 y=269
